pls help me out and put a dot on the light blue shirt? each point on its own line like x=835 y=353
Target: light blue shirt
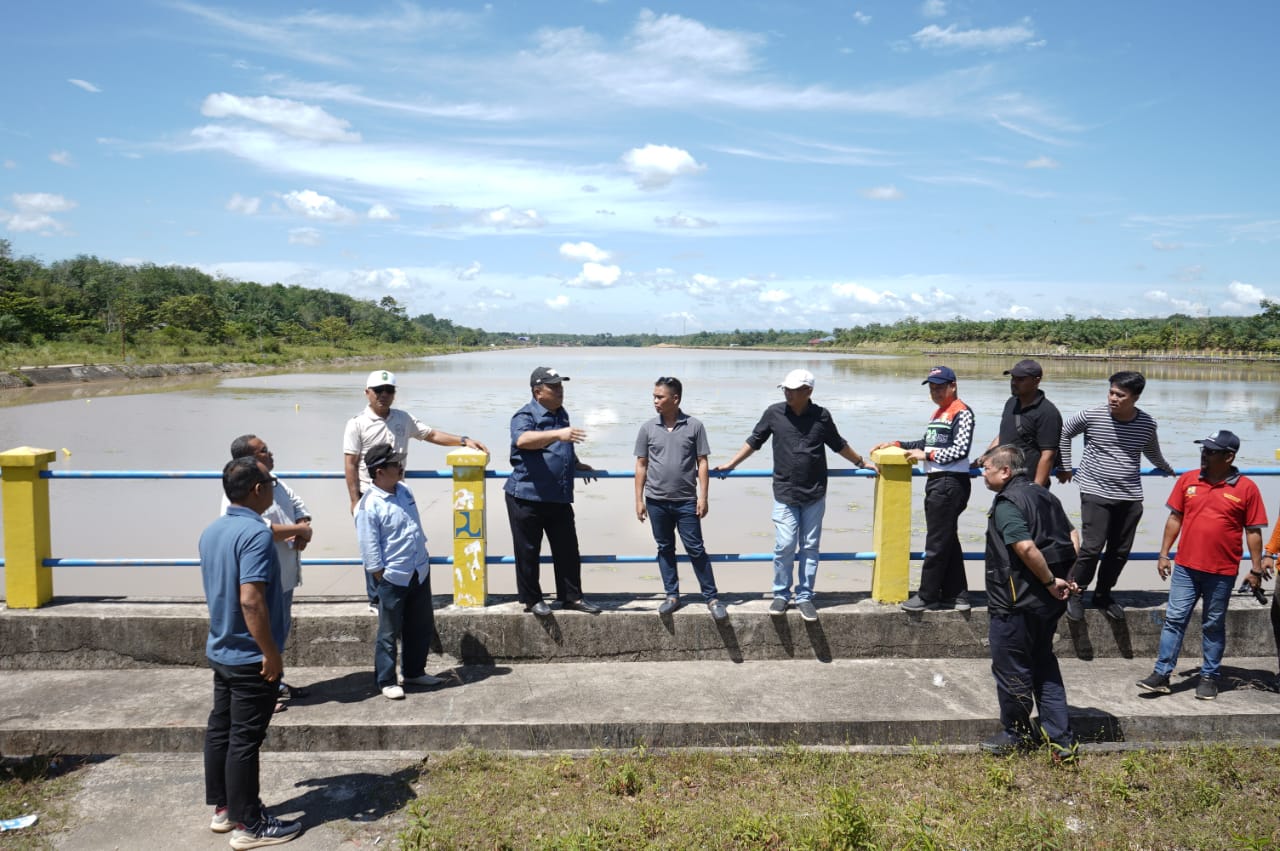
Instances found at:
x=390 y=535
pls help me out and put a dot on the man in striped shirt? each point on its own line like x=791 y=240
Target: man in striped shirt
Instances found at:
x=1116 y=436
x=944 y=449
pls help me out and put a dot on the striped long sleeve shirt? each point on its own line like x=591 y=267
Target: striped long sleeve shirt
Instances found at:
x=1113 y=450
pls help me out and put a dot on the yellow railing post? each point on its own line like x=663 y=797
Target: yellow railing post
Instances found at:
x=891 y=526
x=28 y=584
x=470 y=545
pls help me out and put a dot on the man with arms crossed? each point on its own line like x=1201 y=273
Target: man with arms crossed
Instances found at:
x=539 y=495
x=1209 y=508
x=671 y=488
x=381 y=423
x=1030 y=547
x=944 y=449
x=247 y=631
x=1116 y=436
x=802 y=431
x=393 y=548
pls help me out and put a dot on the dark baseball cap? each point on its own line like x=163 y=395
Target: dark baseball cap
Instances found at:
x=380 y=456
x=1221 y=439
x=546 y=375
x=1024 y=369
x=940 y=375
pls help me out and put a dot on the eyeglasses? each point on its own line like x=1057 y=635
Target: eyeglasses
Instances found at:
x=385 y=389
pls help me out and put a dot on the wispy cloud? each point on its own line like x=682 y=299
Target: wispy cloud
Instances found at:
x=882 y=193
x=290 y=117
x=952 y=37
x=245 y=206
x=62 y=158
x=34 y=212
x=84 y=84
x=1042 y=162
x=313 y=205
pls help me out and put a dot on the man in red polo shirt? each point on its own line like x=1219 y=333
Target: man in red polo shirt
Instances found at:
x=1213 y=506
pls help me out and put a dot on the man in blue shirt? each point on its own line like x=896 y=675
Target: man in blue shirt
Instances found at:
x=539 y=494
x=394 y=549
x=247 y=631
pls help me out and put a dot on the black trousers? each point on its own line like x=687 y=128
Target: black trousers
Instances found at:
x=946 y=495
x=530 y=520
x=242 y=706
x=1105 y=524
x=1027 y=674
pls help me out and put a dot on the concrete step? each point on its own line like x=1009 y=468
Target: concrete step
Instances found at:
x=132 y=633
x=577 y=705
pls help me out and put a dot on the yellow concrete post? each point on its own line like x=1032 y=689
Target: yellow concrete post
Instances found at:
x=28 y=583
x=470 y=547
x=891 y=526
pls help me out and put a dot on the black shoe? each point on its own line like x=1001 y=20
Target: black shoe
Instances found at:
x=778 y=606
x=584 y=607
x=919 y=604
x=1075 y=607
x=669 y=605
x=960 y=603
x=718 y=611
x=540 y=608
x=808 y=611
x=1156 y=683
x=1109 y=607
x=1002 y=744
x=1207 y=688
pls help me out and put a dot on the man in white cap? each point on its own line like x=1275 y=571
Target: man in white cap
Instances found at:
x=381 y=423
x=800 y=430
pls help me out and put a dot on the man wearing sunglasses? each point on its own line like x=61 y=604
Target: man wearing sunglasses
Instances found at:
x=1209 y=509
x=381 y=423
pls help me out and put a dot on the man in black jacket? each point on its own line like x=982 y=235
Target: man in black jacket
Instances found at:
x=1030 y=547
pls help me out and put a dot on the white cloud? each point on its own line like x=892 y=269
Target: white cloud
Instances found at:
x=680 y=220
x=10 y=164
x=596 y=276
x=469 y=273
x=655 y=166
x=84 y=84
x=505 y=217
x=1042 y=162
x=34 y=211
x=290 y=117
x=883 y=193
x=382 y=213
x=1245 y=295
x=313 y=205
x=934 y=8
x=1160 y=245
x=242 y=205
x=305 y=236
x=580 y=251
x=775 y=296
x=1263 y=231
x=861 y=17
x=1179 y=305
x=560 y=302
x=386 y=279
x=60 y=158
x=866 y=297
x=996 y=38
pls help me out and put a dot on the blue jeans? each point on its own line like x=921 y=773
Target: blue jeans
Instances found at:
x=404 y=613
x=796 y=525
x=666 y=518
x=1185 y=587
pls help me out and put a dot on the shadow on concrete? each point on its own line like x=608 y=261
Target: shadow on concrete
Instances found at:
x=465 y=675
x=358 y=797
x=782 y=626
x=1080 y=641
x=730 y=638
x=1092 y=725
x=1231 y=678
x=349 y=688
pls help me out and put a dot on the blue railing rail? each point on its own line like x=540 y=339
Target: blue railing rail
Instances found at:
x=721 y=558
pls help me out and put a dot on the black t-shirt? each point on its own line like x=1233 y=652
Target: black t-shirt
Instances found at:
x=800 y=443
x=1035 y=429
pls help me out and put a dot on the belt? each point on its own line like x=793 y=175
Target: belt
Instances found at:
x=947 y=473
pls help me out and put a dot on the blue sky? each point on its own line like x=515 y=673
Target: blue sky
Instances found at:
x=591 y=166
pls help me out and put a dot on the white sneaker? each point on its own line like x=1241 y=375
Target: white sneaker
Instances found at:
x=373 y=610
x=424 y=680
x=393 y=692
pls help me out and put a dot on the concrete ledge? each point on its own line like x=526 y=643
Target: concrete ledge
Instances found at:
x=576 y=706
x=118 y=634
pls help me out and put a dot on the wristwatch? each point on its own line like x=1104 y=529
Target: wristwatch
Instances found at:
x=462 y=441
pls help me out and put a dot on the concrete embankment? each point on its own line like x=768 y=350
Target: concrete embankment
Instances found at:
x=128 y=676
x=39 y=376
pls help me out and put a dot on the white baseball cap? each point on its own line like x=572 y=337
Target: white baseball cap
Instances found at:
x=796 y=379
x=380 y=378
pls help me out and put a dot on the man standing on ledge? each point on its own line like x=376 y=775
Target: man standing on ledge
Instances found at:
x=671 y=489
x=381 y=423
x=1209 y=508
x=1030 y=421
x=944 y=449
x=539 y=495
x=247 y=632
x=802 y=431
x=1116 y=436
x=1030 y=547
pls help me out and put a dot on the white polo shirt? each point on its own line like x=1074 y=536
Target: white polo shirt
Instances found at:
x=366 y=430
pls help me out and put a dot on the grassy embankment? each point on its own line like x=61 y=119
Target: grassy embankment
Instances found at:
x=1201 y=797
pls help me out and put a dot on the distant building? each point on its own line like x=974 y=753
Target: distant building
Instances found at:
x=817 y=341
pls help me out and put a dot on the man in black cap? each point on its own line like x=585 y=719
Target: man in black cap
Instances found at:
x=1030 y=421
x=539 y=494
x=1209 y=507
x=944 y=449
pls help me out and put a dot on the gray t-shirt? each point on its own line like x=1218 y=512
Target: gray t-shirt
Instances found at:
x=673 y=457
